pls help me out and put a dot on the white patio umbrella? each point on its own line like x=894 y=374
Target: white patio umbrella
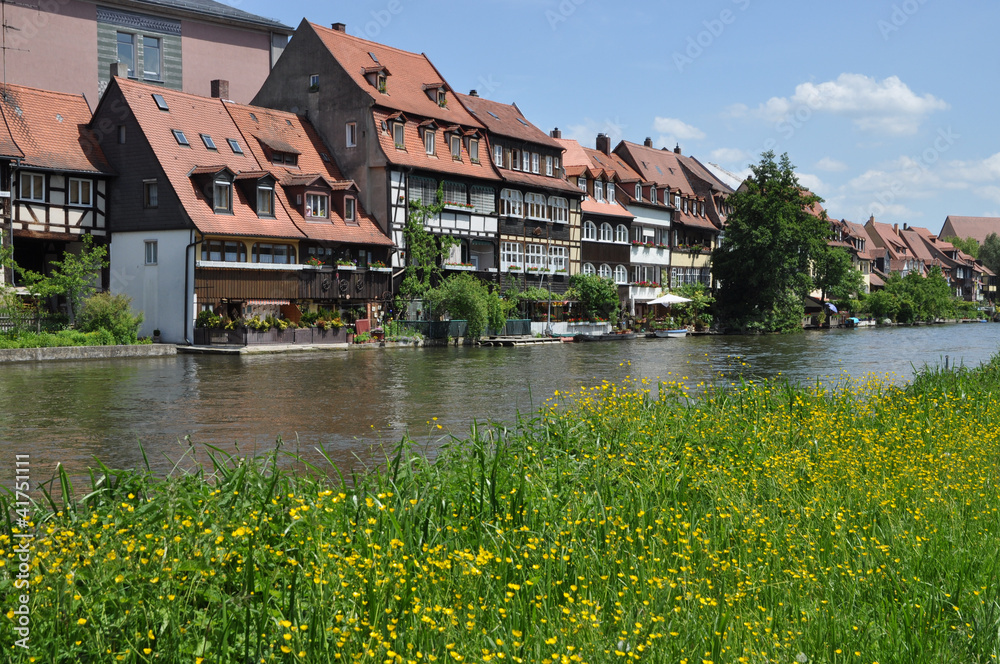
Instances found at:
x=669 y=299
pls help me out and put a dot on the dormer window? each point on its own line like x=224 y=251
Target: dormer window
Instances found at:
x=638 y=192
x=515 y=160
x=317 y=206
x=598 y=191
x=652 y=194
x=581 y=182
x=456 y=147
x=498 y=156
x=265 y=200
x=350 y=210
x=474 y=150
x=380 y=83
x=286 y=158
x=611 y=192
x=223 y=196
x=442 y=98
x=548 y=166
x=429 y=136
x=397 y=135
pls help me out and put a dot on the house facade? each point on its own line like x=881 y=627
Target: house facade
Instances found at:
x=69 y=45
x=54 y=177
x=401 y=133
x=234 y=209
x=538 y=211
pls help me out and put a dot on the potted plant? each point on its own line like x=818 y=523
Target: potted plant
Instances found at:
x=156 y=336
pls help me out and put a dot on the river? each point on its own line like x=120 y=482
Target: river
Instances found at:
x=350 y=403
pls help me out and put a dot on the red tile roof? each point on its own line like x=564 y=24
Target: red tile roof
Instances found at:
x=659 y=166
x=49 y=130
x=416 y=155
x=590 y=206
x=539 y=181
x=410 y=72
x=974 y=227
x=506 y=120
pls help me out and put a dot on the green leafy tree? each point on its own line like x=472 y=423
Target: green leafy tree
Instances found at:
x=969 y=245
x=834 y=274
x=882 y=305
x=598 y=296
x=989 y=253
x=467 y=298
x=74 y=277
x=695 y=312
x=772 y=237
x=424 y=250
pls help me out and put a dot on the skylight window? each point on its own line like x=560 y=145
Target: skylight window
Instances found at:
x=658 y=170
x=493 y=114
x=253 y=117
x=209 y=143
x=161 y=103
x=324 y=156
x=374 y=59
x=288 y=122
x=180 y=137
x=234 y=145
x=522 y=122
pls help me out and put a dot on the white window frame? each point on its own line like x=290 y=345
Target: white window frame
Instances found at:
x=147 y=74
x=581 y=183
x=536 y=207
x=535 y=159
x=351 y=134
x=598 y=191
x=610 y=195
x=222 y=192
x=621 y=234
x=652 y=194
x=511 y=254
x=399 y=135
x=559 y=210
x=265 y=200
x=456 y=147
x=350 y=209
x=607 y=232
x=621 y=274
x=557 y=258
x=535 y=256
x=429 y=141
x=474 y=150
x=605 y=271
x=77 y=188
x=151 y=251
x=511 y=203
x=316 y=202
x=498 y=156
x=515 y=159
x=525 y=161
x=588 y=268
x=548 y=165
x=589 y=230
x=638 y=192
x=129 y=73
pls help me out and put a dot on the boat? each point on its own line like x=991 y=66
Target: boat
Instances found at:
x=671 y=334
x=605 y=337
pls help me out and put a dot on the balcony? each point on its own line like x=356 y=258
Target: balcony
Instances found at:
x=650 y=255
x=339 y=284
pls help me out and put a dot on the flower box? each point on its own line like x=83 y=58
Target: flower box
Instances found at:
x=460 y=207
x=380 y=269
x=346 y=267
x=459 y=266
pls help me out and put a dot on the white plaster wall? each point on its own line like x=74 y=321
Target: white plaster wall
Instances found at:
x=156 y=290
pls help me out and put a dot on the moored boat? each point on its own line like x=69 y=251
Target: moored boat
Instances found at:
x=671 y=334
x=605 y=337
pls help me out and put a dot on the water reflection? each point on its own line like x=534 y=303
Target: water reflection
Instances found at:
x=346 y=403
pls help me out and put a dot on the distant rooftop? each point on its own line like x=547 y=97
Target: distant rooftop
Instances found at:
x=209 y=8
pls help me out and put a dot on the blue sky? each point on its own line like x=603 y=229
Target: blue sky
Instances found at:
x=885 y=107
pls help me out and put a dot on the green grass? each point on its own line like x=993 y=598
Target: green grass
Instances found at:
x=63 y=338
x=763 y=523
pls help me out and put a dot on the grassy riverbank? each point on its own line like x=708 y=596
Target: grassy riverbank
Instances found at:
x=759 y=524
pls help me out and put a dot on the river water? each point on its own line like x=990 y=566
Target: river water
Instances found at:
x=351 y=403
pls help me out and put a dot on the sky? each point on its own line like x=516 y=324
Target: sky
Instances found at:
x=885 y=107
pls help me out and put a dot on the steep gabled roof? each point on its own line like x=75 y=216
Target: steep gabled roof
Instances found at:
x=661 y=167
x=506 y=120
x=416 y=156
x=49 y=130
x=405 y=86
x=974 y=227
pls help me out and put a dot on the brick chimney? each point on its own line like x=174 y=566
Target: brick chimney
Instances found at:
x=895 y=229
x=220 y=89
x=339 y=27
x=677 y=148
x=119 y=69
x=648 y=142
x=604 y=143
x=473 y=93
x=555 y=133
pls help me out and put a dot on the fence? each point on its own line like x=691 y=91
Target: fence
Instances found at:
x=442 y=329
x=34 y=323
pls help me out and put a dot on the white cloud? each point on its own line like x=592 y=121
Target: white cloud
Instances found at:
x=586 y=132
x=812 y=183
x=831 y=165
x=729 y=155
x=677 y=129
x=888 y=106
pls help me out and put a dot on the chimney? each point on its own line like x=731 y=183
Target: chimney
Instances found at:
x=895 y=229
x=555 y=133
x=220 y=89
x=118 y=69
x=648 y=142
x=340 y=27
x=604 y=144
x=473 y=93
x=677 y=148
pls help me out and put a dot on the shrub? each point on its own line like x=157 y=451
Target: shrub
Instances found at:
x=208 y=319
x=112 y=313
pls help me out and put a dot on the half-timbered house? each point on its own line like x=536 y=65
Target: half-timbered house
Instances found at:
x=53 y=175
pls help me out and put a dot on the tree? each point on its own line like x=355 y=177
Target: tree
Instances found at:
x=882 y=304
x=467 y=298
x=424 y=250
x=834 y=274
x=969 y=245
x=771 y=238
x=598 y=296
x=697 y=310
x=989 y=253
x=74 y=277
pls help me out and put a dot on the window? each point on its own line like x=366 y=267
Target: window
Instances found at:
x=223 y=195
x=589 y=230
x=180 y=137
x=548 y=166
x=525 y=161
x=598 y=191
x=621 y=233
x=484 y=199
x=701 y=208
x=32 y=187
x=286 y=158
x=607 y=233
x=456 y=147
x=510 y=255
x=126 y=52
x=350 y=209
x=152 y=58
x=380 y=83
x=314 y=82
x=265 y=201
x=685 y=205
x=515 y=160
x=559 y=210
x=498 y=156
x=557 y=258
x=677 y=200
x=534 y=162
x=351 y=139
x=281 y=254
x=442 y=98
x=534 y=256
x=537 y=208
x=423 y=190
x=621 y=275
x=610 y=192
x=316 y=206
x=81 y=192
x=604 y=271
x=581 y=182
x=454 y=192
x=151 y=252
x=397 y=135
x=121 y=134
x=474 y=150
x=209 y=143
x=161 y=103
x=652 y=194
x=510 y=203
x=234 y=145
x=429 y=141
x=149 y=194
x=588 y=268
x=638 y=192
